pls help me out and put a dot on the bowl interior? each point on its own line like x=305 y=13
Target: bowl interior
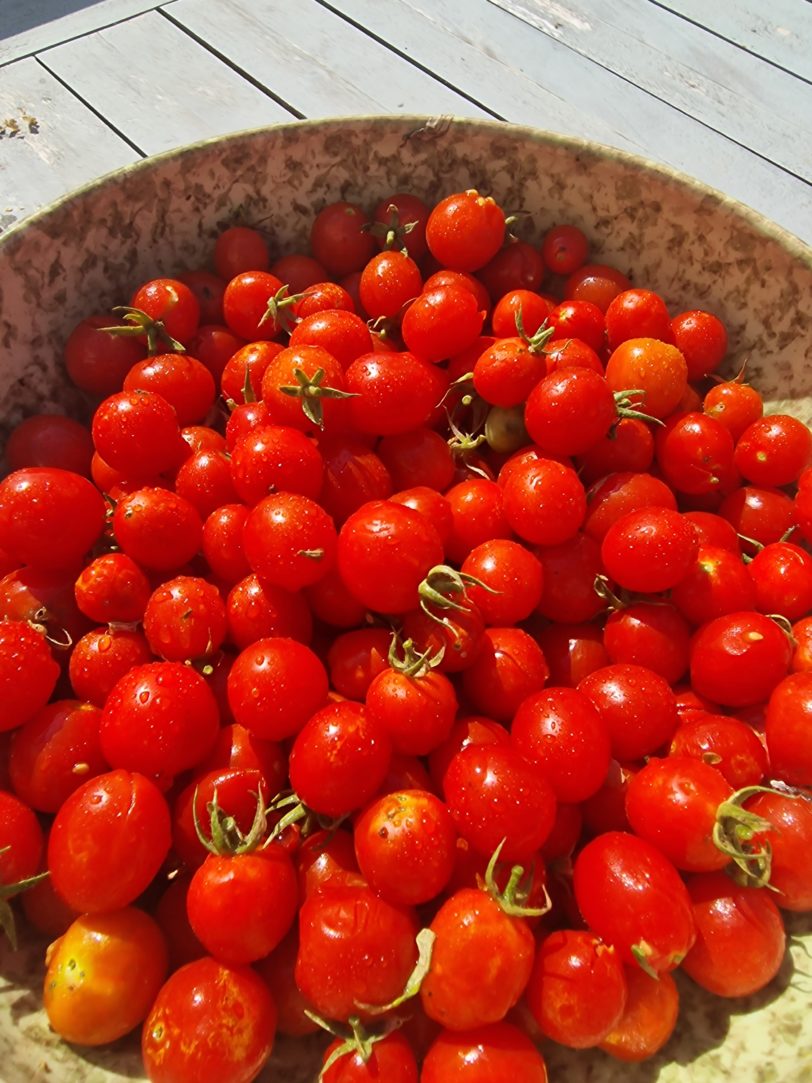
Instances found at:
x=697 y=248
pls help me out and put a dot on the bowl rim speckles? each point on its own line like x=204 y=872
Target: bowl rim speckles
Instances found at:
x=417 y=123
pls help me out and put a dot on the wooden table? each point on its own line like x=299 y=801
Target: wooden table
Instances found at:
x=720 y=89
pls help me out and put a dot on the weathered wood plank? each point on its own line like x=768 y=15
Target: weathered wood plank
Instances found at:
x=724 y=87
x=455 y=44
x=314 y=60
x=27 y=26
x=158 y=86
x=779 y=31
x=519 y=72
x=59 y=145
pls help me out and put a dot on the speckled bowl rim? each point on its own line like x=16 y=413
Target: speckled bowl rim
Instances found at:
x=797 y=248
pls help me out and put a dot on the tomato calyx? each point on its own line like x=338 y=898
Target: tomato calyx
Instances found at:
x=536 y=342
x=297 y=813
x=225 y=836
x=441 y=587
x=279 y=310
x=615 y=600
x=356 y=1040
x=392 y=231
x=627 y=404
x=406 y=659
x=740 y=835
x=513 y=899
x=140 y=323
x=310 y=390
x=54 y=634
x=9 y=891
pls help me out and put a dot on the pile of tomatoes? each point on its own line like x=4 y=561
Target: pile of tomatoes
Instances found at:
x=415 y=645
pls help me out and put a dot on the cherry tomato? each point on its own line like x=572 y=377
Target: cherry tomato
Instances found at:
x=632 y=897
x=209 y=1020
x=489 y=1054
x=740 y=940
x=107 y=841
x=103 y=975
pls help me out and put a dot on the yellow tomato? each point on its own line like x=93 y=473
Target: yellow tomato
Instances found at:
x=103 y=975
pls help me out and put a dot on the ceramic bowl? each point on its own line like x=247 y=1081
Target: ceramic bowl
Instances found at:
x=695 y=246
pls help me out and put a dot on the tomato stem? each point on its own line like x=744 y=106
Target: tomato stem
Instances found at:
x=736 y=833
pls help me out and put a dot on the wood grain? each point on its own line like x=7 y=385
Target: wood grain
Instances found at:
x=779 y=31
x=158 y=86
x=720 y=85
x=316 y=61
x=49 y=142
x=28 y=26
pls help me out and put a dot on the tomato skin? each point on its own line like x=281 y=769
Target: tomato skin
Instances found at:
x=656 y=368
x=577 y=988
x=672 y=804
x=465 y=230
x=507 y=667
x=740 y=939
x=512 y=572
x=21 y=840
x=24 y=650
x=560 y=731
x=354 y=949
x=241 y=906
x=494 y=795
x=108 y=841
x=212 y=1021
x=788 y=731
x=166 y=698
x=339 y=758
x=274 y=686
x=652 y=1006
x=103 y=975
x=54 y=752
x=480 y=962
x=49 y=518
x=495 y=1053
x=791 y=829
x=649 y=550
x=544 y=502
x=384 y=552
x=636 y=704
x=732 y=746
x=633 y=897
x=417 y=711
x=441 y=322
x=405 y=843
x=289 y=540
x=338 y=239
x=737 y=659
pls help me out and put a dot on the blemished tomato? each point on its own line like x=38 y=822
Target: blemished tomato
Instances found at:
x=480 y=962
x=648 y=1021
x=103 y=975
x=209 y=1019
x=577 y=988
x=465 y=230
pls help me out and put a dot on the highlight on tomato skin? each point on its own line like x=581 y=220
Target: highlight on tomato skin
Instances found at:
x=415 y=645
